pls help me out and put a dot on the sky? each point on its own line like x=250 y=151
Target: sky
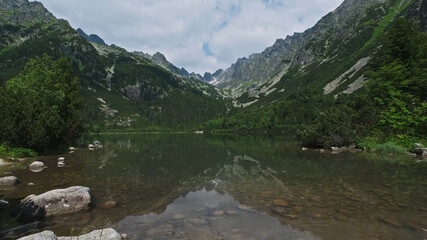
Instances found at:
x=199 y=35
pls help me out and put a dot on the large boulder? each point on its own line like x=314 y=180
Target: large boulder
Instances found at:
x=55 y=202
x=102 y=234
x=8 y=181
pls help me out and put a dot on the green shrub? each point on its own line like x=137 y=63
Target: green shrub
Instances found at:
x=6 y=152
x=40 y=109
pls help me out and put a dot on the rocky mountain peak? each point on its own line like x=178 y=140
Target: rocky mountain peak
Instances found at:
x=339 y=27
x=159 y=58
x=91 y=38
x=23 y=12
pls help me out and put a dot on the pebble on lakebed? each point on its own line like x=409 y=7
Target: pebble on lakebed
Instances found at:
x=280 y=203
x=109 y=205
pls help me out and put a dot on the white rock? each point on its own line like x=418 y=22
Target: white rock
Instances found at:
x=56 y=202
x=91 y=146
x=61 y=159
x=37 y=164
x=102 y=234
x=45 y=235
x=61 y=164
x=8 y=181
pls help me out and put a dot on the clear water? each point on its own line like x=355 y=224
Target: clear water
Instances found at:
x=191 y=186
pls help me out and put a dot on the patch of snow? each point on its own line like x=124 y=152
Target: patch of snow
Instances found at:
x=91 y=89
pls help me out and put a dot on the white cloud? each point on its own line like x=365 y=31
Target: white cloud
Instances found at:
x=200 y=35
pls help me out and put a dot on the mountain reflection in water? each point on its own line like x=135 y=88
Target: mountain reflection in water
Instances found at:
x=208 y=215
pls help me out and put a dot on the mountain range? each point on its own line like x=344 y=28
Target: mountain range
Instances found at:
x=137 y=90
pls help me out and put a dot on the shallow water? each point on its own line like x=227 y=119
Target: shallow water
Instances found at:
x=232 y=187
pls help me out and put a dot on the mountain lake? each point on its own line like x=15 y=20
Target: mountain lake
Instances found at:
x=201 y=186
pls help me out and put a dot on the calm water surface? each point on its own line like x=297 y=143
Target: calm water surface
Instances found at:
x=232 y=187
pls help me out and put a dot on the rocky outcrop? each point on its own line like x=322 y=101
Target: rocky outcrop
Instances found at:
x=102 y=234
x=55 y=202
x=8 y=181
x=23 y=12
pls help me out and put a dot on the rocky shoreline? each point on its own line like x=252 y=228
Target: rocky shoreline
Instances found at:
x=54 y=203
x=419 y=152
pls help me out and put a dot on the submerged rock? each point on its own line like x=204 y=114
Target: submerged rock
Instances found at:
x=280 y=203
x=14 y=233
x=218 y=213
x=109 y=205
x=179 y=216
x=55 y=202
x=8 y=181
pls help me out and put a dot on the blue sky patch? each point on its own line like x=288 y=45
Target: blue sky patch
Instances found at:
x=207 y=49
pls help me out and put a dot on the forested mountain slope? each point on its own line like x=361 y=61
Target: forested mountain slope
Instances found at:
x=120 y=89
